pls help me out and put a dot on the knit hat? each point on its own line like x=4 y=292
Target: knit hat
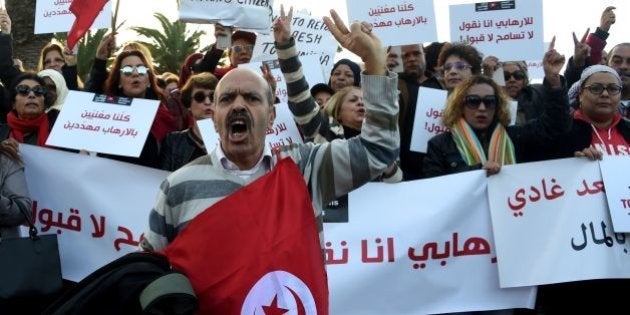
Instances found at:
x=248 y=36
x=356 y=70
x=598 y=68
x=321 y=87
x=60 y=86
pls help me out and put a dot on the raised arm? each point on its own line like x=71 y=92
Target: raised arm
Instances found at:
x=303 y=107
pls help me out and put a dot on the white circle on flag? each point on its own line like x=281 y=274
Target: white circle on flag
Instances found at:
x=280 y=292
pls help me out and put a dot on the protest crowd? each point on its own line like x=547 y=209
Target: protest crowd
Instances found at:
x=358 y=126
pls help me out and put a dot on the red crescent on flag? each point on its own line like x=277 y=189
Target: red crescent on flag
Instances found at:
x=300 y=307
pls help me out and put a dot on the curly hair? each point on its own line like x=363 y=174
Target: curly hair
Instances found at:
x=455 y=104
x=464 y=51
x=112 y=84
x=204 y=80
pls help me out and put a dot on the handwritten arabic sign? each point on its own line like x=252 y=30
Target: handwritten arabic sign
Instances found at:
x=283 y=132
x=428 y=117
x=99 y=123
x=310 y=67
x=253 y=15
x=424 y=243
x=617 y=190
x=397 y=22
x=311 y=38
x=557 y=208
x=53 y=16
x=505 y=30
x=96 y=209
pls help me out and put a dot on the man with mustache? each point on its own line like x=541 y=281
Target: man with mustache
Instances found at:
x=243 y=110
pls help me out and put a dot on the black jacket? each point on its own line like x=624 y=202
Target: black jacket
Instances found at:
x=179 y=148
x=532 y=142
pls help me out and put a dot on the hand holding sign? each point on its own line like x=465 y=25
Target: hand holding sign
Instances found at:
x=360 y=40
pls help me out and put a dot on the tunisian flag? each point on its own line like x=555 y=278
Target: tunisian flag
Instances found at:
x=86 y=12
x=256 y=251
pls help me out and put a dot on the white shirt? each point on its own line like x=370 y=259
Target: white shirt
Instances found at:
x=264 y=162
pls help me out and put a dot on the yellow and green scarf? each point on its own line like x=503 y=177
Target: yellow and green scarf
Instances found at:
x=501 y=148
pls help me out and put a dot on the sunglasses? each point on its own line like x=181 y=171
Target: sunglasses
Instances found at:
x=200 y=97
x=240 y=48
x=128 y=70
x=517 y=75
x=459 y=66
x=474 y=101
x=25 y=90
x=597 y=89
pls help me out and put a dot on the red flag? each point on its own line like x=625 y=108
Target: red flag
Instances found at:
x=86 y=12
x=256 y=251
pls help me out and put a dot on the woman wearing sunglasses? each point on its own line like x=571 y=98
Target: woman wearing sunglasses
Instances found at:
x=517 y=87
x=133 y=76
x=181 y=147
x=28 y=122
x=478 y=117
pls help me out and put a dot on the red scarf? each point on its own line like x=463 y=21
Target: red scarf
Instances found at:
x=20 y=127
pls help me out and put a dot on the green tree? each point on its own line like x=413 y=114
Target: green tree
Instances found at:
x=86 y=50
x=171 y=45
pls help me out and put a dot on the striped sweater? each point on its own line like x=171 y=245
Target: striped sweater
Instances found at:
x=330 y=169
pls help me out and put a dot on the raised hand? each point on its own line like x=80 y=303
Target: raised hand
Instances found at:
x=582 y=50
x=266 y=73
x=608 y=19
x=106 y=47
x=282 y=26
x=361 y=41
x=552 y=64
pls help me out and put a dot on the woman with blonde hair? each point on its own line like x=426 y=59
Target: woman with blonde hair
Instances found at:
x=480 y=136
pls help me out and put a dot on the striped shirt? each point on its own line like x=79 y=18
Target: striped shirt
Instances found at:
x=330 y=169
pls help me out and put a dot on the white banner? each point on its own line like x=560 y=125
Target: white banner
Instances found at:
x=397 y=22
x=420 y=247
x=99 y=208
x=617 y=190
x=552 y=218
x=52 y=16
x=311 y=38
x=251 y=15
x=509 y=30
x=105 y=124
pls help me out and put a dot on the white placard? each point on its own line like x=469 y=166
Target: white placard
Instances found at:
x=311 y=38
x=98 y=207
x=552 y=217
x=428 y=117
x=397 y=22
x=310 y=68
x=617 y=189
x=52 y=16
x=508 y=30
x=105 y=124
x=209 y=134
x=245 y=15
